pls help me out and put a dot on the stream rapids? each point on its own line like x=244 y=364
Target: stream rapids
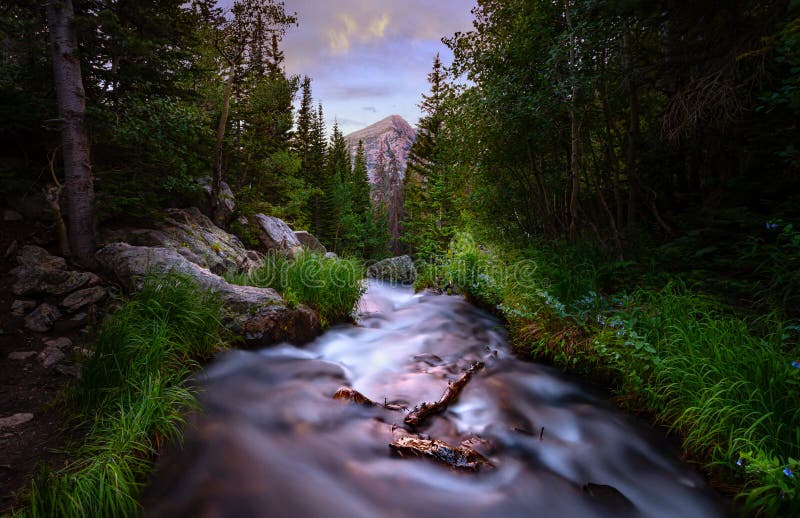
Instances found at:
x=269 y=439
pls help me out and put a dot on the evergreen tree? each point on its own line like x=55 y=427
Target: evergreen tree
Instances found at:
x=394 y=200
x=305 y=123
x=340 y=171
x=360 y=181
x=425 y=197
x=322 y=207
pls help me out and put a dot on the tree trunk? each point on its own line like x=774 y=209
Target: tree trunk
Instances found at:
x=574 y=134
x=217 y=213
x=631 y=159
x=74 y=137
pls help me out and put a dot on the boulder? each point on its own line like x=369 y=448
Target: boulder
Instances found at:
x=82 y=298
x=259 y=314
x=20 y=307
x=41 y=319
x=310 y=242
x=395 y=269
x=39 y=272
x=276 y=235
x=225 y=195
x=193 y=235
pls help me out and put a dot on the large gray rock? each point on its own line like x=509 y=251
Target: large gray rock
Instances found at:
x=225 y=195
x=39 y=272
x=258 y=314
x=42 y=318
x=310 y=242
x=193 y=235
x=276 y=235
x=395 y=269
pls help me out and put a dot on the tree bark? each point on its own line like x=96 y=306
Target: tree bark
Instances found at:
x=74 y=137
x=216 y=183
x=574 y=133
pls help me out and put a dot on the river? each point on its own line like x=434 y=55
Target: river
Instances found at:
x=270 y=440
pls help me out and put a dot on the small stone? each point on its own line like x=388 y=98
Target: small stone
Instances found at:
x=42 y=318
x=21 y=355
x=83 y=352
x=85 y=297
x=11 y=215
x=72 y=370
x=12 y=250
x=51 y=356
x=331 y=255
x=20 y=307
x=80 y=317
x=14 y=420
x=58 y=343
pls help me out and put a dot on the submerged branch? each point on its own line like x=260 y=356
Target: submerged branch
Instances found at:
x=425 y=410
x=458 y=457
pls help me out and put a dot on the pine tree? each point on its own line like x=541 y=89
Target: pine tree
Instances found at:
x=360 y=181
x=425 y=197
x=305 y=123
x=394 y=199
x=321 y=208
x=340 y=194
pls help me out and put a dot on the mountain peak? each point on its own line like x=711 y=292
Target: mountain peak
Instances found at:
x=393 y=131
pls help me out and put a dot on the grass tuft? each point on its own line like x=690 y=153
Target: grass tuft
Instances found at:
x=133 y=396
x=331 y=286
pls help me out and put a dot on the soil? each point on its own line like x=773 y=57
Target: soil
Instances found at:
x=26 y=386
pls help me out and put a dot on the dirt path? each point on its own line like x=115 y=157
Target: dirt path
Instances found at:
x=28 y=387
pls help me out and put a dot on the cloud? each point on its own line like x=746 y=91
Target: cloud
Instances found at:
x=370 y=53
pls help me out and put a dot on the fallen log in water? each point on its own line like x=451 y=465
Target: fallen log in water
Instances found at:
x=458 y=457
x=454 y=388
x=349 y=394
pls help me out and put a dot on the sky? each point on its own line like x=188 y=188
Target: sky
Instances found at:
x=369 y=59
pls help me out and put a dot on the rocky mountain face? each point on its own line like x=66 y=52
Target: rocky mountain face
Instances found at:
x=392 y=132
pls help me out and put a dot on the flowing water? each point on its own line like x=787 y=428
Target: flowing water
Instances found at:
x=271 y=441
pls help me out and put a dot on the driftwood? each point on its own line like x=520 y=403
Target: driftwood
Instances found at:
x=458 y=457
x=349 y=394
x=454 y=388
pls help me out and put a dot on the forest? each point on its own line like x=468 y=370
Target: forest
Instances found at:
x=616 y=181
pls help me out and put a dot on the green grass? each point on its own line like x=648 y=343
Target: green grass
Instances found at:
x=331 y=286
x=721 y=377
x=133 y=398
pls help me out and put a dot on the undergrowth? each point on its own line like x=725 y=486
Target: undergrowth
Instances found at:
x=332 y=286
x=725 y=379
x=132 y=398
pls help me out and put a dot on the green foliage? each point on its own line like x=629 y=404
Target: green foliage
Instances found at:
x=141 y=143
x=133 y=398
x=332 y=287
x=725 y=381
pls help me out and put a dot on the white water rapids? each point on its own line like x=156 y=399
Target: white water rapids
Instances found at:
x=270 y=440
